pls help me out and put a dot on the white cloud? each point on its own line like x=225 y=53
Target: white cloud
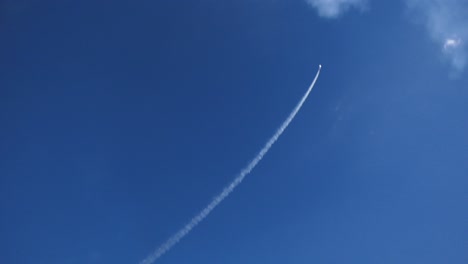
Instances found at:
x=451 y=43
x=447 y=24
x=334 y=8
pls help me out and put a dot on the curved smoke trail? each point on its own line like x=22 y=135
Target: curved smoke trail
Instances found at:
x=174 y=239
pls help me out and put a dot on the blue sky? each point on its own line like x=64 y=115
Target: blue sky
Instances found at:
x=121 y=120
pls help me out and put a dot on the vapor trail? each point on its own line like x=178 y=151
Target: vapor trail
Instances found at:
x=174 y=239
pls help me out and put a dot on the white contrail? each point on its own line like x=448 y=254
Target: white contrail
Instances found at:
x=174 y=239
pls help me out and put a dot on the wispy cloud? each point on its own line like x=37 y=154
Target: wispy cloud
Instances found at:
x=447 y=24
x=334 y=8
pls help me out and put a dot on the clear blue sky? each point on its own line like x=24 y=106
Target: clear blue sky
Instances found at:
x=120 y=120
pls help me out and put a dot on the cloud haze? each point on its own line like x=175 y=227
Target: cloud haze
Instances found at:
x=447 y=24
x=334 y=8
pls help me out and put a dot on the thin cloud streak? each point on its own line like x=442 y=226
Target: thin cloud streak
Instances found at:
x=174 y=239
